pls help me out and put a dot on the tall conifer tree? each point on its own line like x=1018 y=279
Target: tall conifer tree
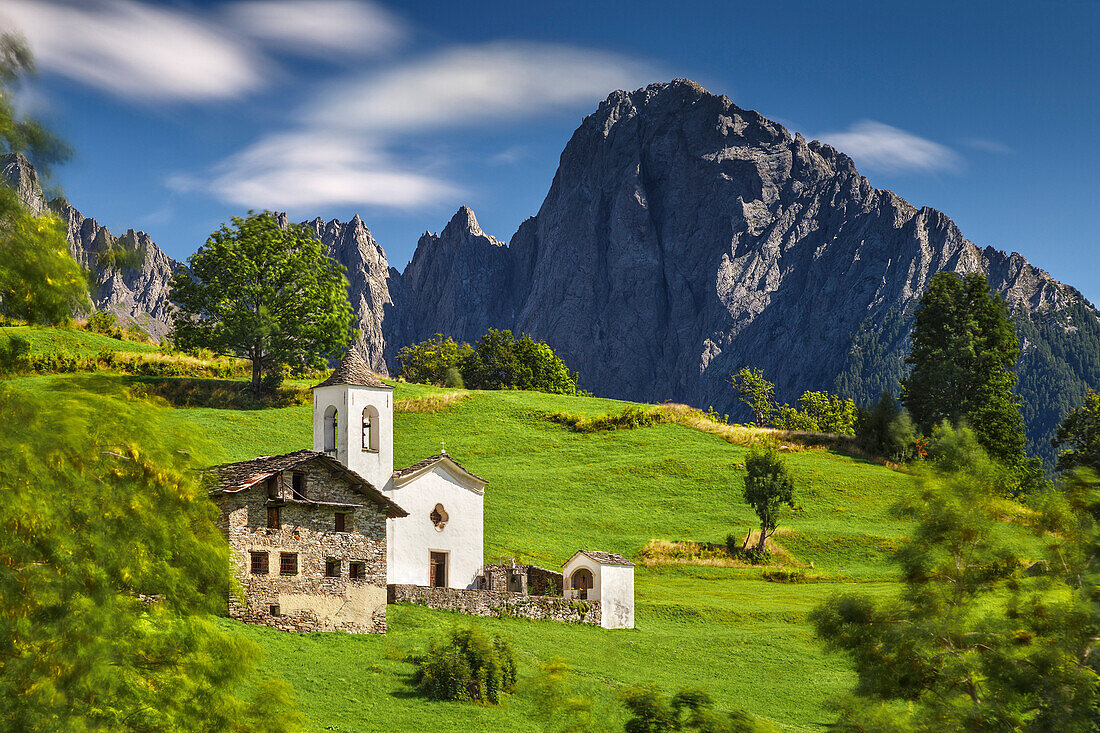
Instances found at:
x=964 y=349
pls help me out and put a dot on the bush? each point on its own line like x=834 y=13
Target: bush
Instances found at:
x=15 y=355
x=652 y=712
x=272 y=379
x=432 y=361
x=101 y=322
x=453 y=378
x=783 y=576
x=501 y=361
x=886 y=430
x=628 y=419
x=470 y=666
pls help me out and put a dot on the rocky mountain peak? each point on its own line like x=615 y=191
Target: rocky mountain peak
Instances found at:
x=20 y=174
x=462 y=225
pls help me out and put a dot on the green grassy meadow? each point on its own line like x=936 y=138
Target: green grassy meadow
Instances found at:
x=73 y=342
x=551 y=492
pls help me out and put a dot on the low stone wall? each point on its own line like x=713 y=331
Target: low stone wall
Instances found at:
x=497 y=603
x=517 y=578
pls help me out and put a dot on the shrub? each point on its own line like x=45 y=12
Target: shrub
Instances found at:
x=432 y=361
x=101 y=322
x=453 y=378
x=652 y=712
x=628 y=419
x=469 y=666
x=501 y=361
x=15 y=355
x=886 y=430
x=783 y=576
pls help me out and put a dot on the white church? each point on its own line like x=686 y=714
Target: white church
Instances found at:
x=323 y=539
x=441 y=541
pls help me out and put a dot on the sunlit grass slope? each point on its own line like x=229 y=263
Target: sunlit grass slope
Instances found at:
x=552 y=491
x=73 y=342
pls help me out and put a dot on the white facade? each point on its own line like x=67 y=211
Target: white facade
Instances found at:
x=612 y=585
x=446 y=510
x=354 y=424
x=363 y=429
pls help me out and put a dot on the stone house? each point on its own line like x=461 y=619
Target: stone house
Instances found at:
x=308 y=539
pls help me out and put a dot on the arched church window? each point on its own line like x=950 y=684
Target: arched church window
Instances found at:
x=331 y=427
x=439 y=517
x=370 y=428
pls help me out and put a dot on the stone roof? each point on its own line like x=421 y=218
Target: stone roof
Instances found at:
x=429 y=461
x=234 y=477
x=353 y=370
x=606 y=558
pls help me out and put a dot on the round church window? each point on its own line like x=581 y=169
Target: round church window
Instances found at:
x=439 y=517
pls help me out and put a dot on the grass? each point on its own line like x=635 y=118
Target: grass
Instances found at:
x=74 y=342
x=552 y=491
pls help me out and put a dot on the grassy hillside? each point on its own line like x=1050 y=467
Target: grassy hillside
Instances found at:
x=73 y=342
x=551 y=492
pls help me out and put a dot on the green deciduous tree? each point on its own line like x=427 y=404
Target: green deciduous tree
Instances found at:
x=768 y=488
x=111 y=563
x=964 y=348
x=756 y=392
x=501 y=361
x=888 y=431
x=264 y=293
x=1079 y=435
x=970 y=645
x=430 y=361
x=39 y=280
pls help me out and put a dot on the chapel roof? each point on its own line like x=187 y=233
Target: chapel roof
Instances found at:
x=431 y=460
x=238 y=476
x=604 y=558
x=353 y=370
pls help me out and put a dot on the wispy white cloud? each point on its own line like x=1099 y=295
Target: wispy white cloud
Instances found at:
x=509 y=156
x=136 y=50
x=158 y=53
x=320 y=28
x=339 y=153
x=987 y=146
x=313 y=168
x=475 y=84
x=875 y=146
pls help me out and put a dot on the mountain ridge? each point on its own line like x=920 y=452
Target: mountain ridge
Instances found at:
x=683 y=237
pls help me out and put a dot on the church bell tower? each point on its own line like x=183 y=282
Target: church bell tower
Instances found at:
x=353 y=420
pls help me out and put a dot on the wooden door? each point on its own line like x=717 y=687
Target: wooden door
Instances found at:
x=437 y=571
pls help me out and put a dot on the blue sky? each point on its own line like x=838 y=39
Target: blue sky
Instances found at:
x=184 y=114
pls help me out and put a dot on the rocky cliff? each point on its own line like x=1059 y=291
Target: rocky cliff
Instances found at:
x=684 y=237
x=130 y=273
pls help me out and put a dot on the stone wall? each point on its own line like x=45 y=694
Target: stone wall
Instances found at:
x=496 y=603
x=517 y=578
x=308 y=600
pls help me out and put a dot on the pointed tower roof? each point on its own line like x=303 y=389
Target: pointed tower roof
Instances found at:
x=353 y=370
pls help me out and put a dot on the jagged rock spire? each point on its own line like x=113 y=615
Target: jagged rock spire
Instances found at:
x=353 y=370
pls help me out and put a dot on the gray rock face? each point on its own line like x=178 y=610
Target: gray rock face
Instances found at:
x=131 y=273
x=684 y=237
x=369 y=280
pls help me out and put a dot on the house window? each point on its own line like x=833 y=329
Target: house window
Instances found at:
x=259 y=563
x=341 y=521
x=273 y=517
x=357 y=570
x=272 y=487
x=332 y=568
x=370 y=428
x=274 y=610
x=288 y=563
x=298 y=486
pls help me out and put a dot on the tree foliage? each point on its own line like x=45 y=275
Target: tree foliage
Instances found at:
x=501 y=361
x=39 y=280
x=431 y=361
x=111 y=564
x=1079 y=434
x=886 y=430
x=969 y=645
x=964 y=348
x=768 y=488
x=689 y=710
x=756 y=392
x=468 y=666
x=265 y=293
